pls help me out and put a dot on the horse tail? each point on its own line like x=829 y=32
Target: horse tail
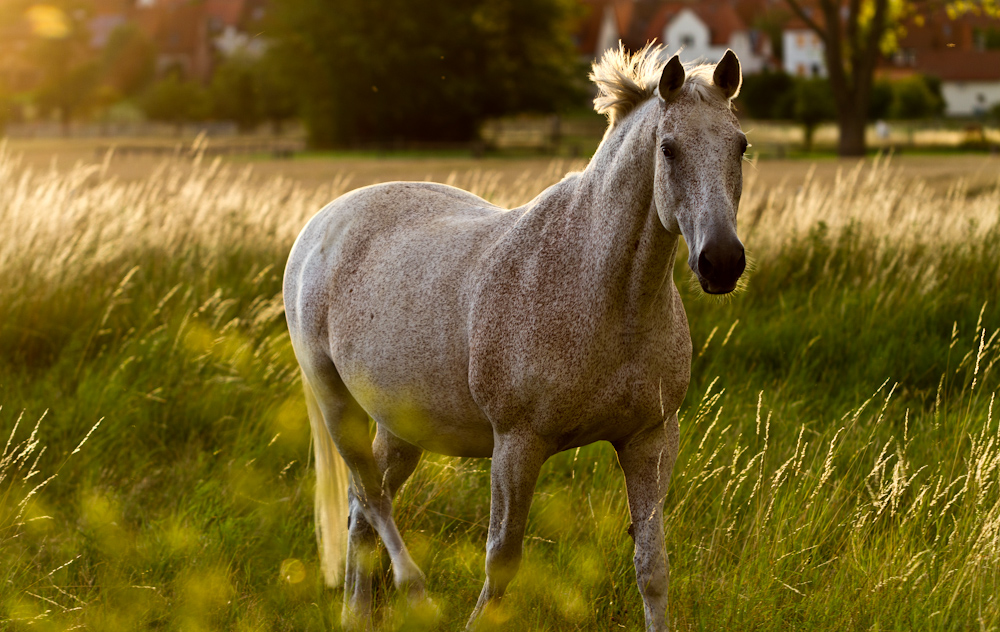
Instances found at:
x=331 y=507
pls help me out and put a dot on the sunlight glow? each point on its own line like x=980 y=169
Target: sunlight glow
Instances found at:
x=48 y=21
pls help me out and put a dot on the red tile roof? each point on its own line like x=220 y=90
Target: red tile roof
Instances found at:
x=720 y=17
x=959 y=65
x=590 y=26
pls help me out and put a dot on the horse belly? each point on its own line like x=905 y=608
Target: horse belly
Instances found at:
x=436 y=428
x=397 y=332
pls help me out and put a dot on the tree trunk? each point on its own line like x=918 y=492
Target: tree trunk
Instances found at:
x=852 y=134
x=65 y=118
x=851 y=49
x=808 y=132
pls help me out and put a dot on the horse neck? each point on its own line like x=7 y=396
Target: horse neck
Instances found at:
x=628 y=251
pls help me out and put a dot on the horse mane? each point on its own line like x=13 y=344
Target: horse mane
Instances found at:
x=625 y=80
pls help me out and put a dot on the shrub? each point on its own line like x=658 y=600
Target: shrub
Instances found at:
x=172 y=100
x=768 y=95
x=914 y=98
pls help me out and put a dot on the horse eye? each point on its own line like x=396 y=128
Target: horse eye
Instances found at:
x=667 y=151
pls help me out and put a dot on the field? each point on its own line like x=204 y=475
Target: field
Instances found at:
x=840 y=455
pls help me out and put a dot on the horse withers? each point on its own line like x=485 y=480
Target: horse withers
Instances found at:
x=470 y=330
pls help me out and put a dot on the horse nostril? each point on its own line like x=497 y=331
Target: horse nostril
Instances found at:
x=721 y=266
x=705 y=267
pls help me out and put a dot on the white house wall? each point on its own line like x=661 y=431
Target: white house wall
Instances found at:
x=687 y=35
x=803 y=53
x=968 y=98
x=750 y=62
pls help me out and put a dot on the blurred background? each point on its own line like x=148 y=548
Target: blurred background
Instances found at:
x=482 y=76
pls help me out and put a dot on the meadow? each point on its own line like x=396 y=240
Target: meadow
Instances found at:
x=840 y=455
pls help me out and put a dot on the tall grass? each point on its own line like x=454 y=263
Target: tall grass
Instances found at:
x=840 y=458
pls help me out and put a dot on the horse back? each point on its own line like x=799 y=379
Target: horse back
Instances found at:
x=380 y=280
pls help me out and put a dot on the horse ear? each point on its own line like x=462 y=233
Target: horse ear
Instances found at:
x=672 y=78
x=728 y=75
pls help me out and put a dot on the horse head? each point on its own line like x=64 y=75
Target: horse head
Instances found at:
x=698 y=167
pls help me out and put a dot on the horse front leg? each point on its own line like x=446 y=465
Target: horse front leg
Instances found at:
x=648 y=460
x=517 y=459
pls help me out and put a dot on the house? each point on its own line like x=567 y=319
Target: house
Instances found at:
x=958 y=53
x=803 y=50
x=606 y=23
x=695 y=30
x=703 y=31
x=192 y=37
x=970 y=79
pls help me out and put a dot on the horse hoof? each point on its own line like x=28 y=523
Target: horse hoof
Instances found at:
x=490 y=616
x=356 y=620
x=424 y=611
x=414 y=614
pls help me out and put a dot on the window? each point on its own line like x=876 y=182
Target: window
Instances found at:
x=687 y=40
x=800 y=41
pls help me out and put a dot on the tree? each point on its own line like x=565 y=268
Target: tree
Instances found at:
x=768 y=95
x=854 y=34
x=250 y=89
x=68 y=90
x=813 y=105
x=771 y=22
x=61 y=50
x=5 y=105
x=128 y=61
x=279 y=97
x=174 y=101
x=235 y=92
x=386 y=70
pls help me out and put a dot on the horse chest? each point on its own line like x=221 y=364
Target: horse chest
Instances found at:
x=578 y=379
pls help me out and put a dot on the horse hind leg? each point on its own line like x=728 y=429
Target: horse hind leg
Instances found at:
x=361 y=560
x=396 y=459
x=346 y=423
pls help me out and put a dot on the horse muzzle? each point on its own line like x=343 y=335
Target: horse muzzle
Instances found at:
x=719 y=265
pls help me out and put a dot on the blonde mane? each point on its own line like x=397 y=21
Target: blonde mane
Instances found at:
x=625 y=80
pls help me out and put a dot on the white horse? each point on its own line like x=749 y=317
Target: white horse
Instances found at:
x=470 y=330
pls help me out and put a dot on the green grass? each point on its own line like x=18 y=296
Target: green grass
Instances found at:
x=839 y=466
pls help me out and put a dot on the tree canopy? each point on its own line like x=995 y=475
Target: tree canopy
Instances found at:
x=249 y=89
x=175 y=101
x=128 y=60
x=387 y=70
